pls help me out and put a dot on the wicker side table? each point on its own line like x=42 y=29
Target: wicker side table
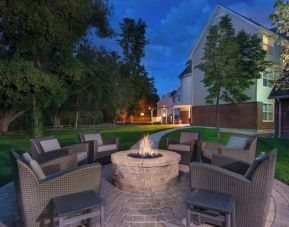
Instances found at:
x=78 y=207
x=213 y=206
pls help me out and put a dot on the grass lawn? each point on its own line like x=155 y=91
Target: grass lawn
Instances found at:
x=263 y=144
x=127 y=134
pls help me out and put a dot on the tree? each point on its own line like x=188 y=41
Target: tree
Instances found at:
x=45 y=32
x=230 y=64
x=20 y=83
x=280 y=18
x=133 y=41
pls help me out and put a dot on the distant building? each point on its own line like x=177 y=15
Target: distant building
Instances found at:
x=258 y=112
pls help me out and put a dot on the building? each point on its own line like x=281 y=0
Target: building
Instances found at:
x=258 y=112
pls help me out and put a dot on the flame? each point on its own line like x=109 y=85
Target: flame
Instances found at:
x=146 y=146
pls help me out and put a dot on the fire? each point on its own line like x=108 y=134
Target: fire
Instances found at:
x=146 y=147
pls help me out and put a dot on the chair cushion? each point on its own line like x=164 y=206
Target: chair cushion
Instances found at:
x=27 y=157
x=108 y=147
x=179 y=147
x=49 y=145
x=256 y=163
x=37 y=170
x=237 y=142
x=92 y=137
x=188 y=137
x=81 y=156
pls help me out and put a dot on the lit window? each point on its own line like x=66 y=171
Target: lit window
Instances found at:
x=267 y=45
x=268 y=112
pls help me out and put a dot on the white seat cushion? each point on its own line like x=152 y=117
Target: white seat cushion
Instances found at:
x=81 y=156
x=236 y=142
x=37 y=170
x=108 y=147
x=49 y=145
x=93 y=137
x=179 y=147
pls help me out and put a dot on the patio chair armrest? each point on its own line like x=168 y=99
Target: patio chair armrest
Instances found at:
x=230 y=164
x=77 y=147
x=238 y=154
x=59 y=164
x=210 y=146
x=82 y=178
x=215 y=178
x=51 y=155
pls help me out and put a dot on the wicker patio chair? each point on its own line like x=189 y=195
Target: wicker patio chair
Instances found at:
x=47 y=148
x=34 y=195
x=100 y=150
x=239 y=147
x=188 y=146
x=252 y=191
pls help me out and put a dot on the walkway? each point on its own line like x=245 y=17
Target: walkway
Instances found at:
x=149 y=209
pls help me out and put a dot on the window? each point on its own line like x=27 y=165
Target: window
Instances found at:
x=268 y=80
x=268 y=112
x=268 y=45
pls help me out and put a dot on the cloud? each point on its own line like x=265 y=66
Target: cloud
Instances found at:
x=174 y=26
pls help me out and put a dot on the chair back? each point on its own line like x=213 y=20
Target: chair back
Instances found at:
x=90 y=136
x=36 y=146
x=196 y=137
x=188 y=137
x=262 y=177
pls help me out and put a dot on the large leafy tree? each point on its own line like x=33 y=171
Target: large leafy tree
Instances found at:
x=44 y=32
x=133 y=41
x=280 y=19
x=231 y=63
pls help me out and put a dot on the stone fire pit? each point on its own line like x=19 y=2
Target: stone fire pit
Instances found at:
x=145 y=175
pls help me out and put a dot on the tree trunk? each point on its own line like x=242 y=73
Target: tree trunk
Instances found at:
x=36 y=118
x=76 y=119
x=218 y=117
x=8 y=118
x=57 y=120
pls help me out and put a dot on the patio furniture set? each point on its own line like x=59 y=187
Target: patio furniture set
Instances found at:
x=61 y=185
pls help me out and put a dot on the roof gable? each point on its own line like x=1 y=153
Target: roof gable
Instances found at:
x=211 y=20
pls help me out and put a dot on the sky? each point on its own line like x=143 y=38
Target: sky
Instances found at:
x=173 y=27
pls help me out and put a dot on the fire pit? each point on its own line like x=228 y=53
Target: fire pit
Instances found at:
x=146 y=169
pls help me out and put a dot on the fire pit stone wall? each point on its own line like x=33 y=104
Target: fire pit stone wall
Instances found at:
x=145 y=175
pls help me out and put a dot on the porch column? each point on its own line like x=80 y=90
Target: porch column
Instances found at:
x=152 y=115
x=166 y=111
x=173 y=115
x=190 y=118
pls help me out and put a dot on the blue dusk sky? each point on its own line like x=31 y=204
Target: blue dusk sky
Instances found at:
x=173 y=27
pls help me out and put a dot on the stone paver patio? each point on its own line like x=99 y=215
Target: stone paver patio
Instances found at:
x=149 y=209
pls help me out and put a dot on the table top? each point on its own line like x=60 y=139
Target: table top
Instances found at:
x=211 y=200
x=65 y=205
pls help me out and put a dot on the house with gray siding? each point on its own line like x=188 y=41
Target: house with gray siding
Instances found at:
x=258 y=111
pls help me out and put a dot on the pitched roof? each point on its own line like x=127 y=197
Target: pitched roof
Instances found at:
x=187 y=70
x=278 y=94
x=254 y=23
x=247 y=18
